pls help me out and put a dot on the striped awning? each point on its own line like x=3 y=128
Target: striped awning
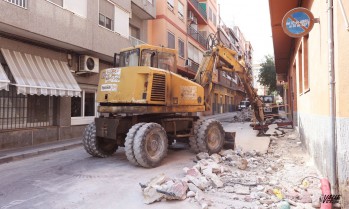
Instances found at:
x=37 y=75
x=4 y=81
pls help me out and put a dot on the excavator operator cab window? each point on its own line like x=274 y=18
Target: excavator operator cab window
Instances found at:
x=129 y=58
x=167 y=61
x=149 y=58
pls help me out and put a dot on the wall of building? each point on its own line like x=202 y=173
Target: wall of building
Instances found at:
x=342 y=97
x=311 y=105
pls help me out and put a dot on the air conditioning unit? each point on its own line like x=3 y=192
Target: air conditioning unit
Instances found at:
x=187 y=63
x=88 y=64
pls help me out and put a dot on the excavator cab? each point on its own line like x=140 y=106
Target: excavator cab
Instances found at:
x=147 y=55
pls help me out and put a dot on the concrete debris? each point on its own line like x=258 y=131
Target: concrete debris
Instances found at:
x=244 y=179
x=243 y=164
x=240 y=189
x=202 y=155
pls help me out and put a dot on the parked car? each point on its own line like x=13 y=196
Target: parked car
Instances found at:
x=243 y=105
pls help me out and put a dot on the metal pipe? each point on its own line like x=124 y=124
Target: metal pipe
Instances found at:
x=332 y=158
x=344 y=14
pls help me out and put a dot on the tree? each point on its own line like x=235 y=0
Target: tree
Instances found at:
x=267 y=74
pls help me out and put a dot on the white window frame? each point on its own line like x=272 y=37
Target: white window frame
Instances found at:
x=179 y=39
x=83 y=120
x=170 y=4
x=20 y=3
x=180 y=13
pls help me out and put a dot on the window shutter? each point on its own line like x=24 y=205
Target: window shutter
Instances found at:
x=122 y=22
x=106 y=9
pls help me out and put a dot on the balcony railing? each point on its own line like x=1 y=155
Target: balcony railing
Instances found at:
x=193 y=66
x=201 y=10
x=134 y=41
x=197 y=36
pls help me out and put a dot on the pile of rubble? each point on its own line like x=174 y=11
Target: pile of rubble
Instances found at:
x=245 y=115
x=237 y=179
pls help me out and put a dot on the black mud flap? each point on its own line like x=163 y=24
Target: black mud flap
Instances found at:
x=229 y=142
x=106 y=127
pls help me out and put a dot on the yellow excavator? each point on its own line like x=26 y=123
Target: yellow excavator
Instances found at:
x=144 y=106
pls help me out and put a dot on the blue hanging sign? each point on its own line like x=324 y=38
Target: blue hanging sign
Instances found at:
x=298 y=22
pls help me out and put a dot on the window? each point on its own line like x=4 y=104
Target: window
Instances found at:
x=23 y=111
x=129 y=58
x=149 y=58
x=83 y=109
x=135 y=32
x=180 y=10
x=300 y=70
x=181 y=48
x=122 y=22
x=58 y=2
x=210 y=13
x=78 y=7
x=170 y=4
x=214 y=20
x=305 y=64
x=171 y=40
x=166 y=61
x=20 y=3
x=106 y=14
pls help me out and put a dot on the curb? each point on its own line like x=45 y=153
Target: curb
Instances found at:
x=34 y=153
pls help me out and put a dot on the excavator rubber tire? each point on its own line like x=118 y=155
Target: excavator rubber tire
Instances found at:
x=150 y=145
x=129 y=140
x=211 y=136
x=95 y=146
x=193 y=142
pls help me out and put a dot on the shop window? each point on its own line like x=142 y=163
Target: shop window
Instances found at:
x=83 y=109
x=23 y=111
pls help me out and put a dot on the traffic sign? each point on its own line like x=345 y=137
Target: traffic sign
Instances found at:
x=298 y=22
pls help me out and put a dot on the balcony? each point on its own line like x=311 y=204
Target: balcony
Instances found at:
x=197 y=36
x=198 y=10
x=193 y=66
x=134 y=41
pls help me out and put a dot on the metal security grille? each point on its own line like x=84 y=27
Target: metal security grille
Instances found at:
x=20 y=3
x=22 y=111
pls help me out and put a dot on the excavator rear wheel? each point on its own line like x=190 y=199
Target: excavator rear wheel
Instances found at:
x=129 y=140
x=210 y=137
x=97 y=146
x=150 y=145
x=193 y=142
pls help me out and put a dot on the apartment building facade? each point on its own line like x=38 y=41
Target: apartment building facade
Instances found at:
x=51 y=55
x=185 y=25
x=314 y=71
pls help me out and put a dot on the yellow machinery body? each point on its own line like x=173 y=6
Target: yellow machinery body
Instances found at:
x=144 y=89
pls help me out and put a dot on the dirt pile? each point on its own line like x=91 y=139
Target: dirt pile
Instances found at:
x=280 y=178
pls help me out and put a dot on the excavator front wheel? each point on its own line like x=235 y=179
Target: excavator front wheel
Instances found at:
x=210 y=137
x=97 y=146
x=193 y=141
x=150 y=145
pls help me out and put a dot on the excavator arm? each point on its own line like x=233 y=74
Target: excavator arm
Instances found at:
x=224 y=59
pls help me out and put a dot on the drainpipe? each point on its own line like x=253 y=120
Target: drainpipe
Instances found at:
x=332 y=141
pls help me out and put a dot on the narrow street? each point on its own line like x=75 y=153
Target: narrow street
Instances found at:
x=74 y=179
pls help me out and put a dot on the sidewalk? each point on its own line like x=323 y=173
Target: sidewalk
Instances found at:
x=26 y=152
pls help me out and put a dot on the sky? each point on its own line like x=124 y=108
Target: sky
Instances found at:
x=253 y=19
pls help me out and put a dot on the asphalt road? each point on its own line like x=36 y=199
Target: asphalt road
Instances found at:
x=74 y=179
